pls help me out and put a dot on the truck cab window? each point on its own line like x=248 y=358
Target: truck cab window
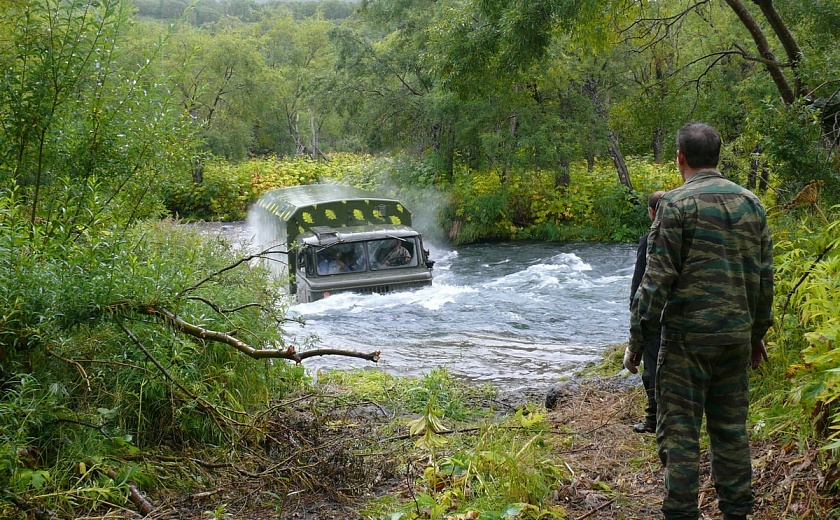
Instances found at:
x=392 y=253
x=342 y=258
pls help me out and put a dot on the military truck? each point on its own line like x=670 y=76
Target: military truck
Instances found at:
x=336 y=239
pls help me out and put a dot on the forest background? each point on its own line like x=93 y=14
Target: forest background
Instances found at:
x=502 y=120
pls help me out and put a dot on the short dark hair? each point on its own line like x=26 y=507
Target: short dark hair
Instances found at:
x=654 y=197
x=700 y=144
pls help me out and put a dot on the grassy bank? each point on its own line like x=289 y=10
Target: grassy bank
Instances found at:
x=367 y=445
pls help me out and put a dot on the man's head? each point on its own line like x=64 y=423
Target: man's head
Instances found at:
x=653 y=200
x=698 y=147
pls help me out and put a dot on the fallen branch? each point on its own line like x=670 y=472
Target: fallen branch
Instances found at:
x=215 y=412
x=154 y=361
x=289 y=353
x=144 y=506
x=37 y=512
x=602 y=506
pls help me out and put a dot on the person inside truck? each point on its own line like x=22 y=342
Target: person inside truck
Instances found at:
x=394 y=254
x=331 y=261
x=339 y=263
x=324 y=261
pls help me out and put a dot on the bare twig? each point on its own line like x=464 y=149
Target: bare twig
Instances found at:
x=201 y=402
x=134 y=339
x=219 y=309
x=590 y=513
x=266 y=253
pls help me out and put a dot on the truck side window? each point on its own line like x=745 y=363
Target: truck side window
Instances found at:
x=303 y=263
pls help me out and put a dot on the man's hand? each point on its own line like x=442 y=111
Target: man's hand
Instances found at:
x=632 y=360
x=759 y=352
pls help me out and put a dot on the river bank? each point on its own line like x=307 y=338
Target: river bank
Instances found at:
x=605 y=471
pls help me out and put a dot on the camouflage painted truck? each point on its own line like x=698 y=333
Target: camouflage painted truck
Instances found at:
x=338 y=239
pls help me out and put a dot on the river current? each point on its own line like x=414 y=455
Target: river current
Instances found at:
x=509 y=314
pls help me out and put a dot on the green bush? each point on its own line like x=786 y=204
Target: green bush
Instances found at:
x=90 y=374
x=477 y=205
x=805 y=349
x=527 y=205
x=223 y=194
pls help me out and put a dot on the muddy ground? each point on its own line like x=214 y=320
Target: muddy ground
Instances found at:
x=309 y=462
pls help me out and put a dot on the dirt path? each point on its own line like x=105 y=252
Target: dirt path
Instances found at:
x=618 y=475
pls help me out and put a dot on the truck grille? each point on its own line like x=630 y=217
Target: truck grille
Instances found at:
x=383 y=289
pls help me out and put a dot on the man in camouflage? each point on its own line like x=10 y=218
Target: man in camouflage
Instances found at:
x=709 y=284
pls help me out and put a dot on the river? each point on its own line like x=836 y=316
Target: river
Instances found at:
x=509 y=314
x=513 y=315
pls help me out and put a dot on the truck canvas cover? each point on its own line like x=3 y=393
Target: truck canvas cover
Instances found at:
x=300 y=208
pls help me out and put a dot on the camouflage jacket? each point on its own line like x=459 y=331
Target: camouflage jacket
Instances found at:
x=709 y=274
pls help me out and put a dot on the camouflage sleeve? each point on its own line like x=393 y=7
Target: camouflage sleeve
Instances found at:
x=664 y=248
x=764 y=304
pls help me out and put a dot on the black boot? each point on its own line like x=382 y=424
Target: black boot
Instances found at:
x=645 y=427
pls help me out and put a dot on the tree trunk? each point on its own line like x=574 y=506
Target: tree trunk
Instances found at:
x=592 y=90
x=658 y=144
x=792 y=49
x=300 y=146
x=198 y=169
x=590 y=162
x=316 y=151
x=314 y=136
x=753 y=173
x=449 y=155
x=663 y=68
x=618 y=160
x=759 y=176
x=767 y=56
x=443 y=143
x=562 y=177
x=763 y=179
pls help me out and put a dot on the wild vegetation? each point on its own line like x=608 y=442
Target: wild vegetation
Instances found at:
x=139 y=356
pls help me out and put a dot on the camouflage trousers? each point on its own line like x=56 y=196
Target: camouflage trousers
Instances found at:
x=692 y=380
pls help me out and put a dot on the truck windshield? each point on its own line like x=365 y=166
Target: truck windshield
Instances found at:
x=342 y=258
x=354 y=257
x=391 y=253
